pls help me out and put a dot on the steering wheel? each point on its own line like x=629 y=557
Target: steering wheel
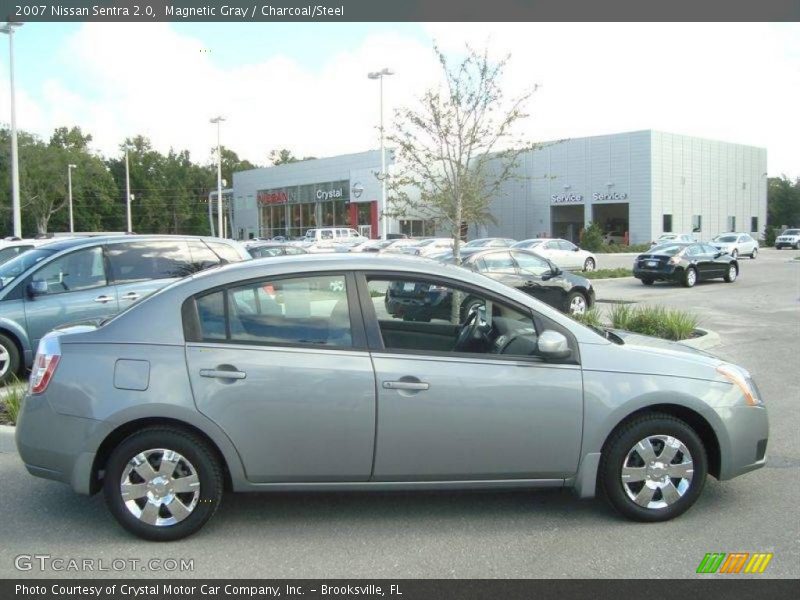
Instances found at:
x=470 y=332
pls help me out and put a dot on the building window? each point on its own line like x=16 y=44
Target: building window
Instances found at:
x=731 y=223
x=666 y=226
x=697 y=223
x=753 y=224
x=417 y=227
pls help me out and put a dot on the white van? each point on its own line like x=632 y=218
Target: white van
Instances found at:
x=332 y=239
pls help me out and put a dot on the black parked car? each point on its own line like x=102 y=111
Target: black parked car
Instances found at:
x=685 y=263
x=263 y=249
x=521 y=269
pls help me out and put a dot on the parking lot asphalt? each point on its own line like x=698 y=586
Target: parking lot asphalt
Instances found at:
x=488 y=534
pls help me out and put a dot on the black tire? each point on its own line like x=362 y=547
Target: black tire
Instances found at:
x=732 y=273
x=754 y=254
x=647 y=281
x=589 y=264
x=199 y=455
x=576 y=297
x=689 y=277
x=797 y=246
x=623 y=442
x=9 y=359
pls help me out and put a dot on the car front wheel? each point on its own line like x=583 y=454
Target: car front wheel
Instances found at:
x=754 y=253
x=735 y=253
x=577 y=304
x=589 y=264
x=653 y=468
x=9 y=358
x=163 y=483
x=732 y=273
x=647 y=281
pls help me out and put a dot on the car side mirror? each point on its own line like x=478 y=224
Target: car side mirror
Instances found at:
x=37 y=287
x=552 y=344
x=576 y=249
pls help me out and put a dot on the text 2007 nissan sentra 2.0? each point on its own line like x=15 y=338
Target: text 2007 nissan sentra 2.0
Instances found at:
x=290 y=374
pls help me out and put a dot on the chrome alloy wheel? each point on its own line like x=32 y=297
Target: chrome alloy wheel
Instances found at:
x=160 y=487
x=732 y=273
x=578 y=305
x=691 y=277
x=657 y=471
x=5 y=360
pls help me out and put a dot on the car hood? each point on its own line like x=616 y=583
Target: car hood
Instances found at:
x=653 y=344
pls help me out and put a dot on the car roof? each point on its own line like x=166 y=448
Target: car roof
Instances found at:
x=66 y=244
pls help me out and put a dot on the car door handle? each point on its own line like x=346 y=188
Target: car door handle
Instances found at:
x=131 y=296
x=222 y=374
x=406 y=385
x=103 y=299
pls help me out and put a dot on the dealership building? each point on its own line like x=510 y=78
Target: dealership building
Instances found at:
x=638 y=185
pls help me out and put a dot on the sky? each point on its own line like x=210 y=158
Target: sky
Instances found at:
x=303 y=86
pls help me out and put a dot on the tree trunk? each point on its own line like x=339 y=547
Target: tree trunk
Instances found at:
x=455 y=308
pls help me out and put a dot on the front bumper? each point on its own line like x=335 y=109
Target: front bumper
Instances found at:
x=53 y=446
x=743 y=448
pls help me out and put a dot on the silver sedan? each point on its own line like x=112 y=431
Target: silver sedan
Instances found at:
x=351 y=372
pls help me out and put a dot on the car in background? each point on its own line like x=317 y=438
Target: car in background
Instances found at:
x=429 y=247
x=86 y=279
x=13 y=248
x=736 y=244
x=259 y=377
x=614 y=237
x=528 y=244
x=323 y=236
x=532 y=274
x=564 y=254
x=685 y=263
x=680 y=238
x=788 y=239
x=399 y=245
x=373 y=245
x=267 y=249
x=490 y=243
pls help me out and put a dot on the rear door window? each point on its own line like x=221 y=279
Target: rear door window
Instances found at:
x=145 y=260
x=224 y=251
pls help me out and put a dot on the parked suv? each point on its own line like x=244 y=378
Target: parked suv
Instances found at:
x=83 y=279
x=788 y=239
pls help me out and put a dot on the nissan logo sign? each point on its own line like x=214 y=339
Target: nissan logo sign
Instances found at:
x=358 y=189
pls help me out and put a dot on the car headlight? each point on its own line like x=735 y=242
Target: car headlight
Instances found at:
x=675 y=260
x=741 y=379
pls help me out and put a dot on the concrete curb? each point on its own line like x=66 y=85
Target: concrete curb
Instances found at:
x=7 y=444
x=610 y=278
x=704 y=342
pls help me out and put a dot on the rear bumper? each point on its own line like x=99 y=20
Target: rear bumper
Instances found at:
x=668 y=273
x=53 y=446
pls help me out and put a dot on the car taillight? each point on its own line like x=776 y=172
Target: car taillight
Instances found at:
x=44 y=365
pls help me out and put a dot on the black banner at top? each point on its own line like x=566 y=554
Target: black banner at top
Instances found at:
x=399 y=10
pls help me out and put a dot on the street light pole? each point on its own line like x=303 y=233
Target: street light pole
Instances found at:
x=218 y=120
x=384 y=218
x=17 y=217
x=69 y=193
x=128 y=191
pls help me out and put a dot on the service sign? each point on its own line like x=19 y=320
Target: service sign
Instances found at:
x=610 y=197
x=566 y=199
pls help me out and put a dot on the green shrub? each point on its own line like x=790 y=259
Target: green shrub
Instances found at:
x=656 y=321
x=592 y=238
x=769 y=235
x=11 y=395
x=619 y=248
x=608 y=273
x=591 y=318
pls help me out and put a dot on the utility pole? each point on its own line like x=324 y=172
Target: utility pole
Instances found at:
x=128 y=191
x=69 y=193
x=218 y=120
x=15 y=205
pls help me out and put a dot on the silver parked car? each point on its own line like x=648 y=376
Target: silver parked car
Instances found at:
x=736 y=244
x=91 y=278
x=263 y=376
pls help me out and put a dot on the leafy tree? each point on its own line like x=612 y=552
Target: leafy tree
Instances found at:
x=592 y=238
x=70 y=139
x=770 y=234
x=285 y=156
x=783 y=201
x=457 y=147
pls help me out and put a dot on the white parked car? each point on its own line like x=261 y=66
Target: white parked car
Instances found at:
x=564 y=254
x=399 y=246
x=789 y=239
x=12 y=248
x=681 y=238
x=430 y=246
x=736 y=244
x=614 y=237
x=331 y=239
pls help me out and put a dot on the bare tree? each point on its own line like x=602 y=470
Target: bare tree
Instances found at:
x=458 y=146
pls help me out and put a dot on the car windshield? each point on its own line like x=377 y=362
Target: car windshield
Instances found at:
x=477 y=243
x=725 y=238
x=12 y=269
x=527 y=244
x=791 y=232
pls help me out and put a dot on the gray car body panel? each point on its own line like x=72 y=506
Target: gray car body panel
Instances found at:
x=612 y=382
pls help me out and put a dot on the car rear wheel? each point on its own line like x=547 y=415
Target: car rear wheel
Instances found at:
x=735 y=253
x=577 y=304
x=797 y=245
x=9 y=358
x=589 y=264
x=732 y=273
x=653 y=468
x=163 y=483
x=690 y=277
x=647 y=281
x=754 y=253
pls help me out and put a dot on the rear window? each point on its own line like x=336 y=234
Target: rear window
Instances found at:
x=225 y=251
x=667 y=249
x=145 y=260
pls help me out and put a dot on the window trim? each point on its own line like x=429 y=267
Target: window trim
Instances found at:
x=193 y=332
x=375 y=339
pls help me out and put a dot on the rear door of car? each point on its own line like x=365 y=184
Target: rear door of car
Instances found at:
x=569 y=255
x=281 y=365
x=78 y=289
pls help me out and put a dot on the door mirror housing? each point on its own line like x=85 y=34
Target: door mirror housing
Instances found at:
x=552 y=344
x=37 y=287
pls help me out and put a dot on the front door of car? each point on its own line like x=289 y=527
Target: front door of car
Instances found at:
x=69 y=289
x=716 y=262
x=469 y=415
x=538 y=279
x=282 y=367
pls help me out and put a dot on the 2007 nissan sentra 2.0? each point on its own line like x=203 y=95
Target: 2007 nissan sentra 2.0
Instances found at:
x=289 y=374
